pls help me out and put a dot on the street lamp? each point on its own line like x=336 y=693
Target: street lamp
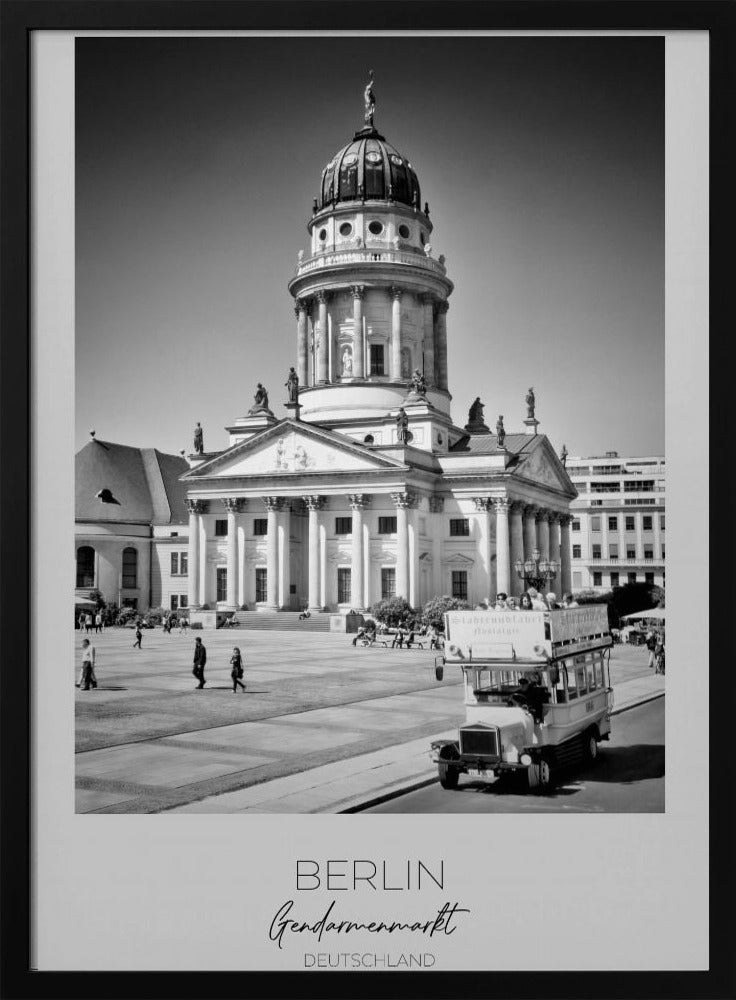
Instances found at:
x=535 y=571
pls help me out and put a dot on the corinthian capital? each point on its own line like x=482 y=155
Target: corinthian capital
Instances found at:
x=396 y=292
x=313 y=502
x=441 y=307
x=482 y=503
x=404 y=500
x=197 y=506
x=359 y=500
x=322 y=296
x=272 y=503
x=357 y=291
x=233 y=504
x=502 y=505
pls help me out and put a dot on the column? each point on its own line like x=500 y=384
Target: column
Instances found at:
x=204 y=589
x=402 y=502
x=436 y=507
x=232 y=506
x=565 y=555
x=322 y=335
x=272 y=505
x=302 y=366
x=554 y=547
x=195 y=509
x=484 y=506
x=357 y=568
x=367 y=568
x=440 y=341
x=543 y=533
x=517 y=546
x=428 y=304
x=503 y=550
x=396 y=294
x=284 y=554
x=314 y=505
x=530 y=530
x=358 y=346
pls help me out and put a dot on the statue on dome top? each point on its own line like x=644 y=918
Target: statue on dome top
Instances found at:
x=370 y=100
x=500 y=432
x=198 y=440
x=292 y=385
x=530 y=404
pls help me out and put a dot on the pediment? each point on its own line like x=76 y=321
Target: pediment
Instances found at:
x=544 y=467
x=458 y=559
x=292 y=449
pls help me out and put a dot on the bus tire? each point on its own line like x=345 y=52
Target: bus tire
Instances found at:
x=590 y=744
x=539 y=776
x=449 y=776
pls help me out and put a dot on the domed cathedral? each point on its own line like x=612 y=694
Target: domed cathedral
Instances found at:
x=367 y=489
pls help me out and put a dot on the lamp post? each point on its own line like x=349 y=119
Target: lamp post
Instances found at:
x=535 y=571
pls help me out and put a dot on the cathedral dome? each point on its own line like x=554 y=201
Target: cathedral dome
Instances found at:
x=368 y=169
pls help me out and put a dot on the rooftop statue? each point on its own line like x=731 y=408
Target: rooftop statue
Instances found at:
x=475 y=413
x=261 y=399
x=198 y=440
x=292 y=384
x=530 y=404
x=418 y=383
x=402 y=426
x=370 y=100
x=563 y=455
x=500 y=431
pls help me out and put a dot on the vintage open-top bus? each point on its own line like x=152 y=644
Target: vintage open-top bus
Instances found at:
x=537 y=692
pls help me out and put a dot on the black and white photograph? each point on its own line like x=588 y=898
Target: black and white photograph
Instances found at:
x=368 y=369
x=370 y=468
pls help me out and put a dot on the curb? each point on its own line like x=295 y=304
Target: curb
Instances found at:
x=414 y=784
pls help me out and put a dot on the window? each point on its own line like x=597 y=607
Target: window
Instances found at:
x=174 y=563
x=404 y=232
x=648 y=552
x=460 y=584
x=174 y=534
x=631 y=577
x=130 y=569
x=343 y=525
x=630 y=552
x=376 y=359
x=595 y=523
x=346 y=229
x=260 y=525
x=661 y=522
x=663 y=551
x=605 y=487
x=85 y=566
x=647 y=522
x=613 y=551
x=613 y=524
x=261 y=585
x=221 y=583
x=629 y=522
x=343 y=585
x=221 y=528
x=183 y=563
x=576 y=525
x=459 y=526
x=375 y=228
x=572 y=687
x=596 y=551
x=639 y=485
x=614 y=579
x=386 y=525
x=388 y=584
x=577 y=552
x=174 y=602
x=183 y=601
x=597 y=579
x=649 y=578
x=178 y=563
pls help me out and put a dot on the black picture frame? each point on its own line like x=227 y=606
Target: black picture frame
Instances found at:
x=19 y=19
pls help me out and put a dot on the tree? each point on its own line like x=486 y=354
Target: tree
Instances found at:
x=99 y=598
x=392 y=611
x=434 y=609
x=623 y=600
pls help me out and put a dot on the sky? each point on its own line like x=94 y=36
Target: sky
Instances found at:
x=542 y=160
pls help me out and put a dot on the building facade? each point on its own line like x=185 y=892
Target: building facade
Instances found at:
x=618 y=528
x=368 y=489
x=131 y=526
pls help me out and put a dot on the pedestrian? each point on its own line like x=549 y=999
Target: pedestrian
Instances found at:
x=525 y=602
x=538 y=602
x=87 y=676
x=98 y=623
x=500 y=602
x=551 y=599
x=659 y=653
x=138 y=637
x=181 y=626
x=88 y=623
x=569 y=602
x=81 y=622
x=236 y=670
x=200 y=658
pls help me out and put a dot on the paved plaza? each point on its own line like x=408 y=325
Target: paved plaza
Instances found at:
x=147 y=741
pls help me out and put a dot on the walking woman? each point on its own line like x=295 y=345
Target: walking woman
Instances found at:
x=87 y=677
x=236 y=671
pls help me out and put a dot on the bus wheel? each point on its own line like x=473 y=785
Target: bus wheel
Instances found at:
x=449 y=776
x=540 y=776
x=590 y=744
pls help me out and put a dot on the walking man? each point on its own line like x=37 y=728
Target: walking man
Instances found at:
x=138 y=637
x=200 y=658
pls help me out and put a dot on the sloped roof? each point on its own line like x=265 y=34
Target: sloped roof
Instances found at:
x=485 y=444
x=144 y=481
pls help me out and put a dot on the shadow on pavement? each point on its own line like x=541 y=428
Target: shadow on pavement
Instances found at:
x=639 y=762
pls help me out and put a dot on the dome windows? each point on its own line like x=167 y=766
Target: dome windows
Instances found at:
x=373 y=157
x=346 y=229
x=422 y=238
x=396 y=160
x=322 y=235
x=404 y=232
x=375 y=227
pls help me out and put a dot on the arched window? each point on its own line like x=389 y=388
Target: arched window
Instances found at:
x=130 y=569
x=85 y=566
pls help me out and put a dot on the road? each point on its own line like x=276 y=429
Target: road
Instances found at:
x=627 y=777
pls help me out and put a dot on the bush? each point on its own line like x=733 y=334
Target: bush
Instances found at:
x=392 y=612
x=156 y=615
x=623 y=600
x=99 y=598
x=433 y=610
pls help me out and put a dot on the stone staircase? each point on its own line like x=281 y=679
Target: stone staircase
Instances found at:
x=283 y=620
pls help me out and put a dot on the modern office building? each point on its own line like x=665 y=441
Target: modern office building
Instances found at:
x=618 y=529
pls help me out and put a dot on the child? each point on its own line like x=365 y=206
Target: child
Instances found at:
x=236 y=672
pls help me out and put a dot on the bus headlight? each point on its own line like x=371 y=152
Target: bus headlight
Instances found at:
x=525 y=759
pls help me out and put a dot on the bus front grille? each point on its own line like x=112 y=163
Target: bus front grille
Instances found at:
x=479 y=741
